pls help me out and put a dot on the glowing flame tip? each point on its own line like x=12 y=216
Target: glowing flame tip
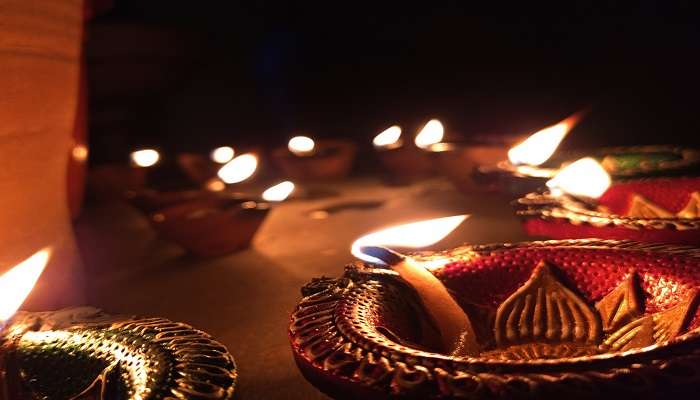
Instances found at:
x=239 y=169
x=16 y=283
x=432 y=133
x=278 y=192
x=584 y=177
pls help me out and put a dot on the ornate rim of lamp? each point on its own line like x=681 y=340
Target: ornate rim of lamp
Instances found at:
x=649 y=210
x=557 y=318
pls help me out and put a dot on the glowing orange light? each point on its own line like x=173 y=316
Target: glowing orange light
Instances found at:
x=278 y=192
x=301 y=145
x=431 y=133
x=145 y=158
x=80 y=152
x=215 y=185
x=411 y=235
x=16 y=283
x=239 y=169
x=585 y=177
x=540 y=146
x=222 y=155
x=389 y=138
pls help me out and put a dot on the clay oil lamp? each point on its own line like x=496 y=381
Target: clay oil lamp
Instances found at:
x=557 y=319
x=307 y=160
x=528 y=165
x=111 y=181
x=217 y=225
x=199 y=168
x=407 y=161
x=83 y=353
x=581 y=202
x=459 y=160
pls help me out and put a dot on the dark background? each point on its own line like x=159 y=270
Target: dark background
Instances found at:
x=193 y=75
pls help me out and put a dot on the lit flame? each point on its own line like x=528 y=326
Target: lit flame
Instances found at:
x=585 y=177
x=222 y=155
x=389 y=137
x=239 y=169
x=145 y=157
x=301 y=145
x=412 y=235
x=278 y=192
x=80 y=152
x=431 y=133
x=16 y=283
x=540 y=146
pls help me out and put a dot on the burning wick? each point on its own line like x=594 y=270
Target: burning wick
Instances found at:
x=540 y=146
x=456 y=335
x=239 y=169
x=145 y=158
x=222 y=155
x=583 y=178
x=390 y=138
x=16 y=283
x=301 y=146
x=432 y=133
x=278 y=192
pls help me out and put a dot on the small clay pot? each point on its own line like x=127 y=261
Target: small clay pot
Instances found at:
x=331 y=160
x=111 y=181
x=406 y=162
x=210 y=227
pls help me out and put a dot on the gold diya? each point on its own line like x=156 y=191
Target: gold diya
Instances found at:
x=556 y=319
x=307 y=160
x=662 y=210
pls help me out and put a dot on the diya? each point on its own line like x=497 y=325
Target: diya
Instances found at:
x=665 y=210
x=82 y=353
x=111 y=181
x=557 y=319
x=407 y=161
x=307 y=160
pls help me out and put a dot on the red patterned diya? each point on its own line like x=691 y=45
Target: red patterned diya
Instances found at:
x=326 y=160
x=557 y=319
x=649 y=210
x=211 y=226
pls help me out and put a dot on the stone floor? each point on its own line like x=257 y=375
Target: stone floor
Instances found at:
x=244 y=299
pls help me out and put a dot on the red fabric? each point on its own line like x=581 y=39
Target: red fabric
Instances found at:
x=671 y=194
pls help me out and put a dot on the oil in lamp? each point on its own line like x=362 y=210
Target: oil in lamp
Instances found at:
x=527 y=320
x=406 y=161
x=305 y=159
x=81 y=353
x=582 y=202
x=111 y=181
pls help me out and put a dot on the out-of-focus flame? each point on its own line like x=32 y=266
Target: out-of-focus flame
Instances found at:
x=389 y=138
x=301 y=145
x=145 y=157
x=540 y=146
x=431 y=133
x=239 y=169
x=278 y=192
x=80 y=152
x=215 y=185
x=411 y=235
x=585 y=177
x=222 y=155
x=16 y=283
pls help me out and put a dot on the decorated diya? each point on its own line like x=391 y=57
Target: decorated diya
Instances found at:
x=307 y=160
x=557 y=319
x=82 y=353
x=665 y=210
x=407 y=161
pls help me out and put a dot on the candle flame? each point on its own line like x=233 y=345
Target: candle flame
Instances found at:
x=239 y=169
x=585 y=177
x=301 y=145
x=389 y=137
x=278 y=192
x=431 y=133
x=412 y=235
x=16 y=283
x=222 y=155
x=540 y=146
x=145 y=158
